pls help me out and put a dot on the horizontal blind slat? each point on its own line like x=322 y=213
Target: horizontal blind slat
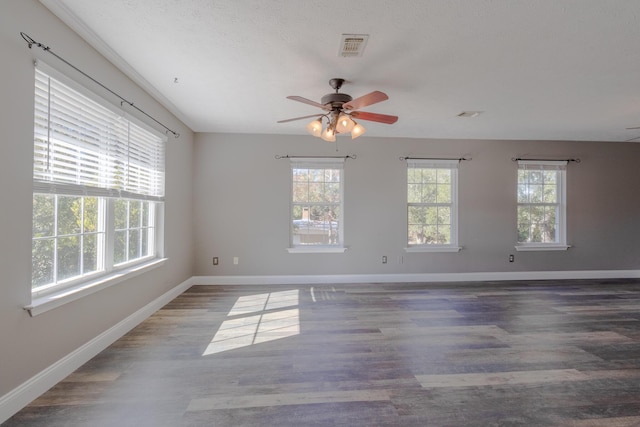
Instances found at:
x=82 y=146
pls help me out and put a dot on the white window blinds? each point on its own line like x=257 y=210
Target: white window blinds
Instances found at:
x=317 y=163
x=82 y=147
x=542 y=164
x=433 y=163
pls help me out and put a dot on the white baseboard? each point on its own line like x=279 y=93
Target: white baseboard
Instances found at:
x=25 y=393
x=413 y=278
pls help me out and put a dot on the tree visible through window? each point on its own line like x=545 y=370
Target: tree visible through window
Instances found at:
x=541 y=206
x=68 y=237
x=98 y=182
x=133 y=230
x=316 y=202
x=432 y=203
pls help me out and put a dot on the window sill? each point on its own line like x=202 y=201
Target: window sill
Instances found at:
x=533 y=248
x=317 y=250
x=426 y=248
x=53 y=300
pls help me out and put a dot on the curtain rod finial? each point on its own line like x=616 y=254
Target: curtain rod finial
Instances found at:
x=28 y=39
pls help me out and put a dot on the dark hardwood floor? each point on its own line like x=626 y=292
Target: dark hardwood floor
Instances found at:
x=552 y=353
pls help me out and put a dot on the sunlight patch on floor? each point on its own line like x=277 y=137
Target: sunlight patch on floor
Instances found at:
x=257 y=319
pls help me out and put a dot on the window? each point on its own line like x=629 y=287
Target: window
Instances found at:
x=541 y=205
x=134 y=230
x=432 y=205
x=316 y=205
x=68 y=238
x=98 y=187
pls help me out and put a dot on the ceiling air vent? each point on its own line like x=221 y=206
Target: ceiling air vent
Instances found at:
x=352 y=45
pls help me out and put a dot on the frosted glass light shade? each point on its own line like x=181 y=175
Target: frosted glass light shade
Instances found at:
x=315 y=127
x=328 y=135
x=357 y=130
x=344 y=124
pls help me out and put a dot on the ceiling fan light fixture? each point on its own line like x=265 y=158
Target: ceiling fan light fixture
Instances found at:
x=329 y=134
x=357 y=130
x=315 y=127
x=345 y=123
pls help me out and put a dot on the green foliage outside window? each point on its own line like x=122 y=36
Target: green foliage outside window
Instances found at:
x=316 y=206
x=66 y=238
x=69 y=235
x=537 y=206
x=429 y=196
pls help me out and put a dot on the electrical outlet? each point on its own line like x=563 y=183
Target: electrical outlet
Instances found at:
x=384 y=259
x=511 y=258
x=215 y=260
x=236 y=260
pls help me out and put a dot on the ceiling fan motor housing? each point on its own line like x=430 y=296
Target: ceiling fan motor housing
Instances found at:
x=333 y=105
x=335 y=100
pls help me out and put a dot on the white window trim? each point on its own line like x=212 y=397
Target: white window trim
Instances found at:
x=561 y=243
x=317 y=250
x=454 y=245
x=433 y=248
x=532 y=247
x=64 y=296
x=310 y=249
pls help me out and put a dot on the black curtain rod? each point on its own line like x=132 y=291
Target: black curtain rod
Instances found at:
x=436 y=158
x=515 y=159
x=286 y=156
x=30 y=41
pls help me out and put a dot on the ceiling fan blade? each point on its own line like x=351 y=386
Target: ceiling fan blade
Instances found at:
x=374 y=117
x=299 y=118
x=308 y=101
x=368 y=99
x=637 y=127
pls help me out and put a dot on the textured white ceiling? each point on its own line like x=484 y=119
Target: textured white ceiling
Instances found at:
x=539 y=69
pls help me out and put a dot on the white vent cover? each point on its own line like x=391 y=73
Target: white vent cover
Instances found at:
x=352 y=45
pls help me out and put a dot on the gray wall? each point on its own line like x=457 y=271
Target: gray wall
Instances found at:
x=243 y=203
x=29 y=345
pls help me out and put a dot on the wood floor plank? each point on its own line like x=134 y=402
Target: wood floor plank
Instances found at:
x=284 y=399
x=531 y=353
x=500 y=378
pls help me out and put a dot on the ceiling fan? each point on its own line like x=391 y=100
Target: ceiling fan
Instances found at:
x=340 y=112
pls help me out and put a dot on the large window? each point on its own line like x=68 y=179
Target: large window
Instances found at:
x=98 y=186
x=432 y=205
x=541 y=205
x=316 y=203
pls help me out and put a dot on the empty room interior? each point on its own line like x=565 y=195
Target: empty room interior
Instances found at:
x=294 y=213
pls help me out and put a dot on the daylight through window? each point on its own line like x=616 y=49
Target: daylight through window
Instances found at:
x=541 y=203
x=316 y=202
x=98 y=182
x=432 y=204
